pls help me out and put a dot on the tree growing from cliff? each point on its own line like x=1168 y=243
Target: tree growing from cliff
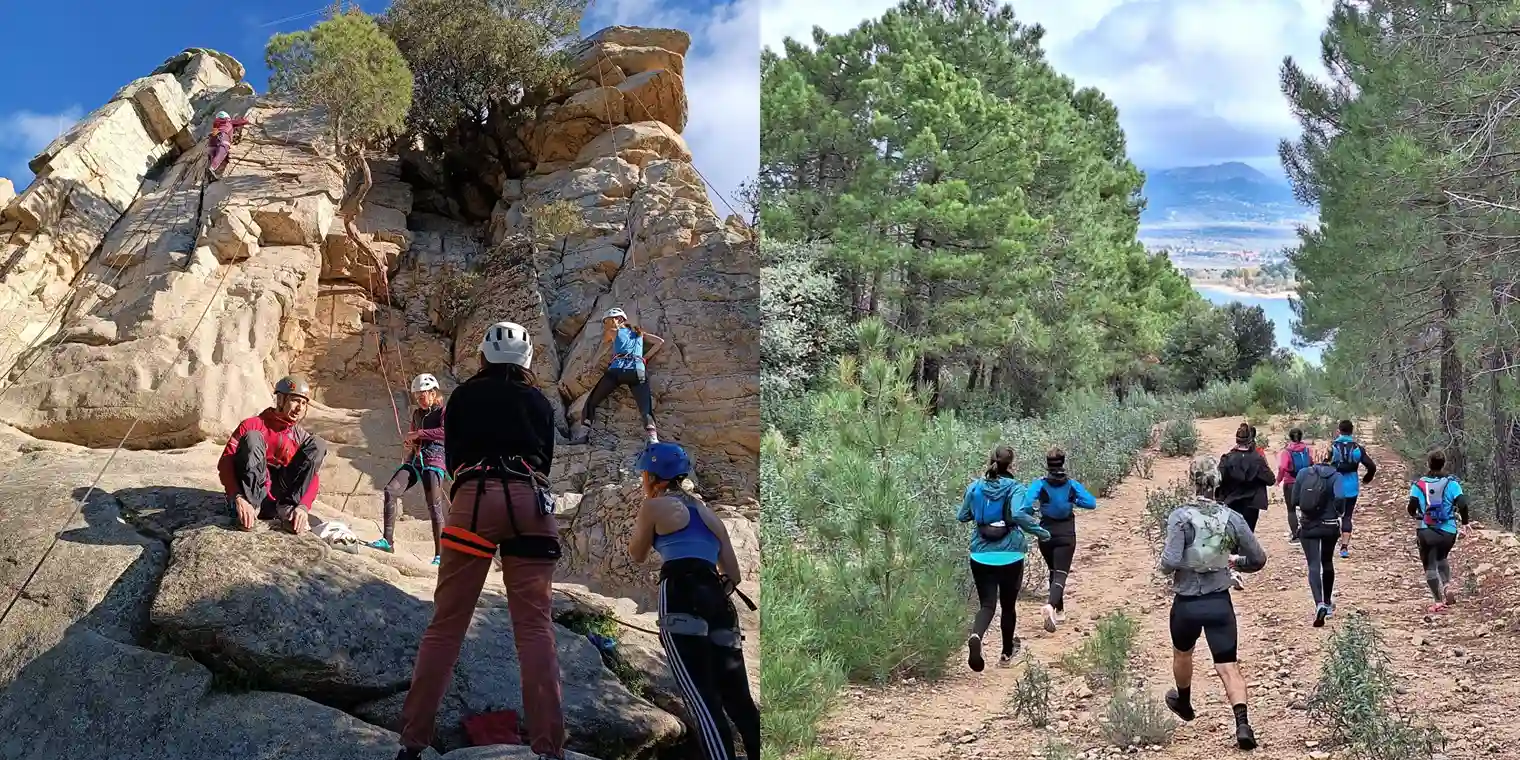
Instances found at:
x=348 y=67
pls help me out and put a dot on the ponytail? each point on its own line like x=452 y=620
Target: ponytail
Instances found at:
x=1000 y=464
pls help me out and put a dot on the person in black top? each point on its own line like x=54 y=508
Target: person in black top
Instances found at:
x=1245 y=477
x=498 y=446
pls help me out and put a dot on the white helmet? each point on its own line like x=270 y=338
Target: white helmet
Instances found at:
x=223 y=115
x=615 y=313
x=507 y=343
x=424 y=382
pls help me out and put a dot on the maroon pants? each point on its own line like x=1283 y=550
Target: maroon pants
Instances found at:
x=219 y=149
x=529 y=601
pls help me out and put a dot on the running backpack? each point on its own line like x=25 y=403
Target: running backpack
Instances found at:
x=1316 y=497
x=1438 y=509
x=1300 y=460
x=1344 y=456
x=992 y=532
x=1212 y=542
x=1056 y=503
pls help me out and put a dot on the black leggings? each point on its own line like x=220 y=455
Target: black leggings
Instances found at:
x=1213 y=616
x=1320 y=552
x=1292 y=510
x=997 y=585
x=432 y=490
x=1250 y=514
x=1435 y=547
x=1057 y=554
x=1347 y=504
x=611 y=379
x=699 y=629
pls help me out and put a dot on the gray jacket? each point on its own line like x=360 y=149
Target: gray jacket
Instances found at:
x=1179 y=534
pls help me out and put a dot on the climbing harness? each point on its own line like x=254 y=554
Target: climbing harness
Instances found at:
x=516 y=545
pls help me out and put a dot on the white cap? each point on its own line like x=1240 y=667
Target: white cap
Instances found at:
x=424 y=382
x=507 y=343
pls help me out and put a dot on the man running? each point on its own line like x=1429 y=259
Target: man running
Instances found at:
x=1346 y=455
x=269 y=467
x=1202 y=537
x=1437 y=501
x=1245 y=477
x=1314 y=496
x=1055 y=495
x=1295 y=459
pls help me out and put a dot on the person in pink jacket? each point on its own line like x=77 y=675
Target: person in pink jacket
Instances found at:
x=1294 y=458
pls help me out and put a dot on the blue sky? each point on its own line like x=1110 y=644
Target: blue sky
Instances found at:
x=112 y=42
x=1196 y=81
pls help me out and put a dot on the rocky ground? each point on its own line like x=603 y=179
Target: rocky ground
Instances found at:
x=1455 y=668
x=139 y=304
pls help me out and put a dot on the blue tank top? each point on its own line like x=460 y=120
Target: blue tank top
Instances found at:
x=695 y=541
x=627 y=349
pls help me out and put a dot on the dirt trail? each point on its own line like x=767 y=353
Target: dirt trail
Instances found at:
x=1458 y=667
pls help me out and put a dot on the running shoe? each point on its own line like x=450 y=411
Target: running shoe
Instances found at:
x=1321 y=612
x=1345 y=552
x=382 y=545
x=1245 y=738
x=1175 y=704
x=1050 y=618
x=974 y=658
x=1451 y=595
x=437 y=559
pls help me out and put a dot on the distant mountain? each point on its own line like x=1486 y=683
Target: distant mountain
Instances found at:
x=1230 y=193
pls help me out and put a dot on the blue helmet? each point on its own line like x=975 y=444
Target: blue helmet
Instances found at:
x=665 y=461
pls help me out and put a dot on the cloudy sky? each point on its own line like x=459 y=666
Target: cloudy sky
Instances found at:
x=1196 y=81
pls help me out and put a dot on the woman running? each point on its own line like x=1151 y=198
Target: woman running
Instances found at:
x=1296 y=458
x=424 y=463
x=995 y=503
x=1437 y=501
x=1053 y=498
x=1245 y=477
x=498 y=446
x=1202 y=538
x=627 y=368
x=1319 y=526
x=699 y=626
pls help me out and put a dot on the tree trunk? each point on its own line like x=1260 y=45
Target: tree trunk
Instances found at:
x=931 y=380
x=1499 y=357
x=995 y=379
x=1453 y=413
x=975 y=376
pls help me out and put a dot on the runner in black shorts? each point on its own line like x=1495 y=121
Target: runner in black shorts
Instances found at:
x=1204 y=541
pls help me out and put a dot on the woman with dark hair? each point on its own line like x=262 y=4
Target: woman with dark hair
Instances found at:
x=498 y=444
x=627 y=368
x=1438 y=502
x=1245 y=477
x=994 y=502
x=1054 y=498
x=699 y=626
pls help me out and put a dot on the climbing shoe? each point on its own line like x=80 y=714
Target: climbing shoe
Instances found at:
x=974 y=659
x=1245 y=738
x=1183 y=710
x=382 y=545
x=437 y=558
x=1320 y=613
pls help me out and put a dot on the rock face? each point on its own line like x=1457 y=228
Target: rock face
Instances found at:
x=140 y=303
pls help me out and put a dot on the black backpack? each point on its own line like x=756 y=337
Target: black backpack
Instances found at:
x=1343 y=455
x=1315 y=491
x=999 y=532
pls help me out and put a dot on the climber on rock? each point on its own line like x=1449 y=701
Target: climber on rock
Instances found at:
x=424 y=463
x=269 y=467
x=222 y=128
x=627 y=368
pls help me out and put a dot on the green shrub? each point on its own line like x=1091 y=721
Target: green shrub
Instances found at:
x=1104 y=657
x=1055 y=749
x=1354 y=699
x=1222 y=399
x=1179 y=438
x=1269 y=389
x=1159 y=504
x=1135 y=718
x=1031 y=693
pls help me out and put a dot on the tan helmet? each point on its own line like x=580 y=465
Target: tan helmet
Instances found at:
x=290 y=385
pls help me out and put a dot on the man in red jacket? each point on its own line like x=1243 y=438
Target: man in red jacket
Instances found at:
x=222 y=128
x=269 y=468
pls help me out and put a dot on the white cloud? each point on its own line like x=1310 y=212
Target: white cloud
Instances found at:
x=1196 y=81
x=722 y=82
x=24 y=134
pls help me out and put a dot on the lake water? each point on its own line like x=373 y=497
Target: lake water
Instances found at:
x=1277 y=310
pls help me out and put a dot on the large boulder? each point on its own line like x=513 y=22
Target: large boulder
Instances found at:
x=91 y=698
